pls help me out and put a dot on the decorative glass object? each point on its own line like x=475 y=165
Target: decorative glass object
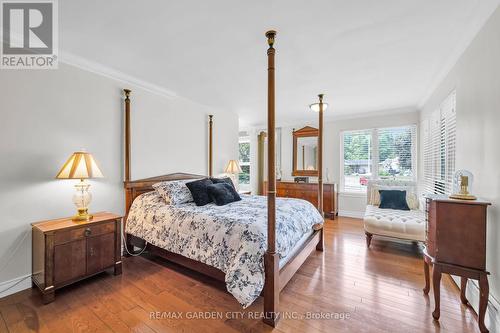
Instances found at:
x=462 y=185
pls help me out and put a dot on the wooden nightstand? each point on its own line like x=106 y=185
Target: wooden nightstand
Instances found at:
x=456 y=244
x=65 y=251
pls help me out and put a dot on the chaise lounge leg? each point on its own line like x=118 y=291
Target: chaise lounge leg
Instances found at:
x=368 y=238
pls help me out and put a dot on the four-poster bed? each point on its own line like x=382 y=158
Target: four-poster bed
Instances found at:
x=277 y=270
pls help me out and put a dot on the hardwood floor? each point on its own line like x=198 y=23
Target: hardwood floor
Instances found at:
x=380 y=290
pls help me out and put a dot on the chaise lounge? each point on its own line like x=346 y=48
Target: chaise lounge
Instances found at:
x=394 y=223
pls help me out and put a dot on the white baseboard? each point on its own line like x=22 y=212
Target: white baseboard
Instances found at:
x=492 y=317
x=15 y=285
x=351 y=213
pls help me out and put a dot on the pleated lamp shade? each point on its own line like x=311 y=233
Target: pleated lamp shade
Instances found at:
x=233 y=167
x=81 y=165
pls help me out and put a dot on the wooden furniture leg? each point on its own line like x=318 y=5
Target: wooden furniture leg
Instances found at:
x=484 y=290
x=436 y=285
x=368 y=238
x=271 y=289
x=321 y=243
x=118 y=268
x=463 y=287
x=426 y=276
x=48 y=296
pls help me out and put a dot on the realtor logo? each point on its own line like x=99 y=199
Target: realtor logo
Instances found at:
x=29 y=35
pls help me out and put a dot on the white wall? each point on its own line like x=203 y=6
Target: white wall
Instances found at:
x=476 y=78
x=349 y=204
x=45 y=115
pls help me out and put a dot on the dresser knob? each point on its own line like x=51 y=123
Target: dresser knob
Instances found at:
x=87 y=232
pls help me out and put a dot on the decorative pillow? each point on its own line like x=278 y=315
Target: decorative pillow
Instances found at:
x=174 y=192
x=199 y=191
x=393 y=199
x=222 y=194
x=223 y=180
x=411 y=198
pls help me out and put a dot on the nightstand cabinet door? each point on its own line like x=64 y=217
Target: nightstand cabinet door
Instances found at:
x=69 y=261
x=100 y=252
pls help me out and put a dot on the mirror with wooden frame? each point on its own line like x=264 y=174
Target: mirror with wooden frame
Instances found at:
x=305 y=152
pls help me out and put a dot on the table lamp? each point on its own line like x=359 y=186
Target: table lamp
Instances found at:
x=233 y=168
x=81 y=165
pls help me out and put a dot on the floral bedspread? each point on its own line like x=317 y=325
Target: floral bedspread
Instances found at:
x=232 y=238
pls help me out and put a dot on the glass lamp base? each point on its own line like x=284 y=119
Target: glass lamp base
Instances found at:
x=82 y=216
x=82 y=199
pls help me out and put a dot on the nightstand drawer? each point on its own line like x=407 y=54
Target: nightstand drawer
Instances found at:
x=62 y=237
x=100 y=229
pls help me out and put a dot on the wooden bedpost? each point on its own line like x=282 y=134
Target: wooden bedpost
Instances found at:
x=127 y=134
x=320 y=245
x=271 y=259
x=210 y=144
x=128 y=196
x=261 y=138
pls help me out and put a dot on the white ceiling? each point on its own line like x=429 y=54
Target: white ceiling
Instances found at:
x=365 y=55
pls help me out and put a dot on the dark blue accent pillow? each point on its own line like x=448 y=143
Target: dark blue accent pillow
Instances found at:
x=393 y=199
x=223 y=180
x=223 y=193
x=199 y=191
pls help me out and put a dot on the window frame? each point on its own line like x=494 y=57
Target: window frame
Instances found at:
x=374 y=157
x=245 y=139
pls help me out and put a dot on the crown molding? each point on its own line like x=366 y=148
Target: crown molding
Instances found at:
x=311 y=121
x=100 y=69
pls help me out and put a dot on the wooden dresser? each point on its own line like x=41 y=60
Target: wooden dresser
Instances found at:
x=456 y=244
x=65 y=251
x=309 y=192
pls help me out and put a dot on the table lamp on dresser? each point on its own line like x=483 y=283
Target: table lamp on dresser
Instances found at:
x=81 y=165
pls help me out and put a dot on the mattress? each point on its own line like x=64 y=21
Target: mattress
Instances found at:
x=232 y=238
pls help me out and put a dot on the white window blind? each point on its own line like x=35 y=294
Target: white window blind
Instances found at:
x=378 y=153
x=439 y=148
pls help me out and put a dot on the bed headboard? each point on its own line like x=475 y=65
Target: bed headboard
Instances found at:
x=134 y=188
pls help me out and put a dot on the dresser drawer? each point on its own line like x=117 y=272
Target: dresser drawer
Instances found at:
x=62 y=237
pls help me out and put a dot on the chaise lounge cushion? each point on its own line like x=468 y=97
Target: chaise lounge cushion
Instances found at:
x=409 y=224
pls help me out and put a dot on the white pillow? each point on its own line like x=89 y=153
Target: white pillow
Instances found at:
x=174 y=192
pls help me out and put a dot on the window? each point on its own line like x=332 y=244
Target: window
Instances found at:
x=439 y=136
x=396 y=152
x=244 y=148
x=377 y=154
x=357 y=160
